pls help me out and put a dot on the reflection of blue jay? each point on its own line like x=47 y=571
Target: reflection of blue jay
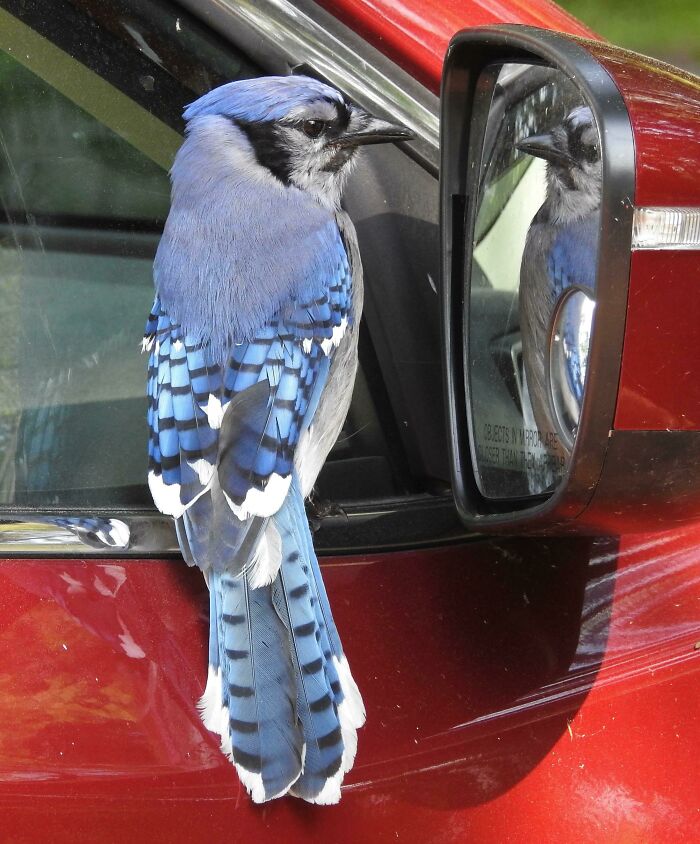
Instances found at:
x=561 y=244
x=253 y=342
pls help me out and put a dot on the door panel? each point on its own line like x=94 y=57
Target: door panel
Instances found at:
x=515 y=690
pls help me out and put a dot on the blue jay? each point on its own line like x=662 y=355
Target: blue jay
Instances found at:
x=253 y=352
x=561 y=247
x=92 y=530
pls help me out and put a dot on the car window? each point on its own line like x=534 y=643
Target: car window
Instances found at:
x=91 y=96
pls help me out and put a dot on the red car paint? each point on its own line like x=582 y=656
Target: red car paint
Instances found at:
x=658 y=386
x=415 y=33
x=517 y=690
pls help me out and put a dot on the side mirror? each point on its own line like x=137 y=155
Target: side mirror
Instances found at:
x=570 y=217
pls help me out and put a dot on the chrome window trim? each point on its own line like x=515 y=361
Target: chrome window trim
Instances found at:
x=279 y=36
x=407 y=522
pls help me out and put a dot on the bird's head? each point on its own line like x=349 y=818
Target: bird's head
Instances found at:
x=574 y=171
x=293 y=129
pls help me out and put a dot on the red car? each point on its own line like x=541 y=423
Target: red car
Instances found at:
x=518 y=688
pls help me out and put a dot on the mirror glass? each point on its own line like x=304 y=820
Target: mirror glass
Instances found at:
x=530 y=301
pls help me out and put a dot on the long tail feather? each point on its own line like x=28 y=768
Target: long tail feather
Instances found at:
x=320 y=781
x=351 y=709
x=279 y=692
x=329 y=729
x=257 y=708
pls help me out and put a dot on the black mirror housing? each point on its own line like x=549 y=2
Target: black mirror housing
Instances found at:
x=616 y=467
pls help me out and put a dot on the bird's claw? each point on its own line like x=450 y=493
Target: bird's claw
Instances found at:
x=318 y=509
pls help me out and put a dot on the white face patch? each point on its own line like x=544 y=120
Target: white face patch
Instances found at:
x=576 y=192
x=308 y=158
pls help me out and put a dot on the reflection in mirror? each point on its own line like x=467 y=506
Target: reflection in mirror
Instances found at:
x=568 y=360
x=531 y=295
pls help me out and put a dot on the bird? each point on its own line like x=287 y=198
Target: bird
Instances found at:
x=252 y=342
x=560 y=253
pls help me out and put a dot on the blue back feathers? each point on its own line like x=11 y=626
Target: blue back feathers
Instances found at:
x=573 y=256
x=239 y=246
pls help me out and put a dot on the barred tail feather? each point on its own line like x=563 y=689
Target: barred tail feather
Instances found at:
x=322 y=776
x=350 y=693
x=250 y=699
x=351 y=709
x=330 y=721
x=279 y=691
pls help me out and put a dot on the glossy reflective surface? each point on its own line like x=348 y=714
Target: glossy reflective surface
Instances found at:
x=497 y=676
x=415 y=33
x=569 y=345
x=534 y=260
x=659 y=380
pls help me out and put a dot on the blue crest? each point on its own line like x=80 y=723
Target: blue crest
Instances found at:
x=264 y=98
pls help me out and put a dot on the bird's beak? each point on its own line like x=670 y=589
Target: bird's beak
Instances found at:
x=372 y=130
x=544 y=146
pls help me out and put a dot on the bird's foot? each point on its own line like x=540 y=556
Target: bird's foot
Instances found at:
x=318 y=509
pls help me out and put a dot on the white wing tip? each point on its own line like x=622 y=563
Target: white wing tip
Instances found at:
x=349 y=733
x=214 y=411
x=119 y=533
x=253 y=783
x=215 y=717
x=166 y=496
x=334 y=340
x=265 y=502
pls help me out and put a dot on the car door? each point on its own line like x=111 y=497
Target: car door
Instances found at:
x=476 y=658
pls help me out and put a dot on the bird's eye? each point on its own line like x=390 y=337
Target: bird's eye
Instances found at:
x=583 y=147
x=313 y=128
x=592 y=153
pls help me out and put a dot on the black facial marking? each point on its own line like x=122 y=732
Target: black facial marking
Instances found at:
x=339 y=159
x=316 y=127
x=268 y=150
x=343 y=114
x=579 y=150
